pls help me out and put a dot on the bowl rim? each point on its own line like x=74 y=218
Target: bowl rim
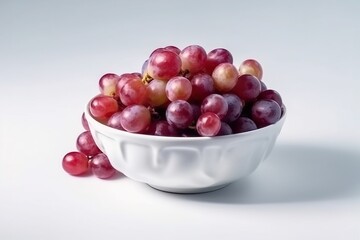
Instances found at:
x=104 y=127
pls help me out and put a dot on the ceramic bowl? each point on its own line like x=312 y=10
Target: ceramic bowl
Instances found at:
x=185 y=164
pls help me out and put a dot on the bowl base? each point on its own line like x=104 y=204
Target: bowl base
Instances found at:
x=188 y=190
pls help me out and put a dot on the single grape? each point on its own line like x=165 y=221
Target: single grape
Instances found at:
x=107 y=84
x=263 y=86
x=115 y=121
x=133 y=92
x=225 y=76
x=75 y=163
x=215 y=103
x=84 y=122
x=208 y=124
x=247 y=87
x=225 y=129
x=178 y=88
x=162 y=128
x=173 y=49
x=157 y=50
x=179 y=113
x=135 y=118
x=235 y=106
x=243 y=124
x=123 y=79
x=216 y=57
x=202 y=86
x=164 y=65
x=101 y=166
x=271 y=94
x=102 y=107
x=193 y=58
x=156 y=95
x=86 y=144
x=252 y=67
x=265 y=112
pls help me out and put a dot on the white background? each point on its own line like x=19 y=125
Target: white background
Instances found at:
x=52 y=54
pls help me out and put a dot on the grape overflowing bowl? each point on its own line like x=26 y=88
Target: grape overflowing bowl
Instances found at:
x=189 y=122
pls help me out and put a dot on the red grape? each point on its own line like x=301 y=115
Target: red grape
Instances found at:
x=86 y=144
x=84 y=122
x=101 y=166
x=271 y=94
x=133 y=92
x=215 y=103
x=156 y=95
x=178 y=88
x=225 y=129
x=252 y=67
x=193 y=58
x=208 y=124
x=225 y=76
x=216 y=57
x=135 y=118
x=202 y=86
x=173 y=49
x=75 y=163
x=115 y=121
x=164 y=65
x=265 y=112
x=243 y=124
x=247 y=87
x=102 y=107
x=107 y=84
x=235 y=106
x=162 y=128
x=179 y=113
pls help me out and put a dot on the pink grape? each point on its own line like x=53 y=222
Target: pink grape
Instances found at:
x=179 y=113
x=252 y=67
x=133 y=92
x=156 y=94
x=75 y=163
x=215 y=103
x=202 y=86
x=178 y=88
x=115 y=121
x=193 y=58
x=86 y=144
x=101 y=166
x=135 y=118
x=164 y=65
x=173 y=49
x=84 y=122
x=123 y=79
x=216 y=57
x=208 y=124
x=102 y=107
x=225 y=76
x=107 y=84
x=247 y=87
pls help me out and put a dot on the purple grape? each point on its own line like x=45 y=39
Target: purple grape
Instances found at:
x=243 y=124
x=179 y=113
x=235 y=107
x=215 y=103
x=265 y=112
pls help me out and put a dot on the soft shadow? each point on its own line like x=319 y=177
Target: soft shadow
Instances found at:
x=293 y=173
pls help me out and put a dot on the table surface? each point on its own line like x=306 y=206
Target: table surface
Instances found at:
x=52 y=54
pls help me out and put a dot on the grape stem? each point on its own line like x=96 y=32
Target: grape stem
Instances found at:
x=146 y=79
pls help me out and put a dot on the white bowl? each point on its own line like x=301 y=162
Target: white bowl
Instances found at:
x=185 y=164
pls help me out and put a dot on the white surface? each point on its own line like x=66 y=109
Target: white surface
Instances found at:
x=52 y=54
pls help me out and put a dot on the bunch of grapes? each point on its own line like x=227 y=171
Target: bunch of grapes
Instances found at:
x=185 y=93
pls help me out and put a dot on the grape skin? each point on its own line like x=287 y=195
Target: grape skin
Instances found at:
x=179 y=113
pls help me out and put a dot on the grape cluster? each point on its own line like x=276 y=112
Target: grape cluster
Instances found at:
x=179 y=93
x=187 y=92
